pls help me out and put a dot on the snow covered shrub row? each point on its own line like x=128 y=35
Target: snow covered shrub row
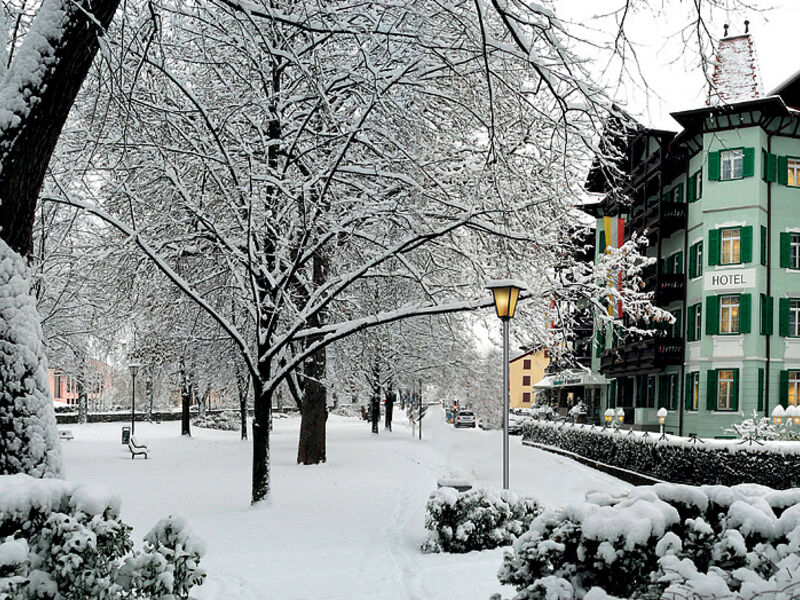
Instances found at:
x=476 y=519
x=61 y=540
x=226 y=421
x=664 y=541
x=775 y=465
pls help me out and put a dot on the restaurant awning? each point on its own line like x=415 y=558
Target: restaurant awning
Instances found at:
x=571 y=378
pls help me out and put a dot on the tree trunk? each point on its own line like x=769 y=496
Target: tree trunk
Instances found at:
x=148 y=396
x=243 y=385
x=311 y=446
x=389 y=408
x=27 y=145
x=376 y=411
x=186 y=401
x=262 y=404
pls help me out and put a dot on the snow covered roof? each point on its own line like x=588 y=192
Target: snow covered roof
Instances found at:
x=736 y=76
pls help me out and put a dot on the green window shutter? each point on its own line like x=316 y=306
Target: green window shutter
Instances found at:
x=687 y=393
x=666 y=198
x=668 y=265
x=711 y=390
x=690 y=317
x=770 y=167
x=713 y=247
x=747 y=244
x=769 y=321
x=678 y=323
x=612 y=393
x=783 y=389
x=663 y=389
x=786 y=240
x=763 y=245
x=763 y=164
x=745 y=302
x=748 y=163
x=766 y=315
x=712 y=315
x=783 y=170
x=675 y=387
x=760 y=406
x=693 y=261
x=783 y=317
x=679 y=263
x=713 y=166
x=679 y=193
x=601 y=243
x=692 y=191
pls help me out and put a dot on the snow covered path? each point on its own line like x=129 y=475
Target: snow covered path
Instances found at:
x=348 y=529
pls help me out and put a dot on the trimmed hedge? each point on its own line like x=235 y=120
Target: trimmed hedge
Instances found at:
x=775 y=465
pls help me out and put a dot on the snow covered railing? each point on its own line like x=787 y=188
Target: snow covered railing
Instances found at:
x=681 y=460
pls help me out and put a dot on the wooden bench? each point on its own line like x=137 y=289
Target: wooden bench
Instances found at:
x=65 y=435
x=137 y=449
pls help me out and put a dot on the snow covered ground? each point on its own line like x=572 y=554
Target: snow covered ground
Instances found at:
x=348 y=529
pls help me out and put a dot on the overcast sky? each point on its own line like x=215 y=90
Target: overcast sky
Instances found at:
x=670 y=67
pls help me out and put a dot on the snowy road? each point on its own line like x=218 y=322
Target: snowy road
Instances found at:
x=344 y=530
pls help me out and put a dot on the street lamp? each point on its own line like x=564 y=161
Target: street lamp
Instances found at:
x=793 y=414
x=134 y=367
x=506 y=293
x=609 y=416
x=662 y=419
x=778 y=413
x=620 y=417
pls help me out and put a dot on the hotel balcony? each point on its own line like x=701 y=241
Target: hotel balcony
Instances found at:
x=644 y=356
x=659 y=218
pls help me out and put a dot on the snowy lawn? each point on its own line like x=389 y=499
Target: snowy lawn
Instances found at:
x=348 y=529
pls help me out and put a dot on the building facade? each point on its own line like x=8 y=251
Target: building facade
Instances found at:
x=720 y=202
x=524 y=372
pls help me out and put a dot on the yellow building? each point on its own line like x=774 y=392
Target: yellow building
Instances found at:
x=525 y=371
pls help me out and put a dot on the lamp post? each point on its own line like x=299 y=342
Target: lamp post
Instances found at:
x=506 y=293
x=134 y=367
x=609 y=417
x=778 y=413
x=620 y=418
x=662 y=419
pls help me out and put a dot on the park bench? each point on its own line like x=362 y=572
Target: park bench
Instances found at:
x=137 y=449
x=65 y=434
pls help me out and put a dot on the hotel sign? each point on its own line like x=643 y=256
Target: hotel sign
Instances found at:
x=733 y=279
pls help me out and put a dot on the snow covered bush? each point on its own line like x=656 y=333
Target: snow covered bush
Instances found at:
x=476 y=519
x=28 y=435
x=225 y=421
x=61 y=540
x=663 y=541
x=723 y=462
x=758 y=428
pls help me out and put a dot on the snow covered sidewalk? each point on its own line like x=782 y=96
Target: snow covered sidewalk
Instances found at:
x=348 y=529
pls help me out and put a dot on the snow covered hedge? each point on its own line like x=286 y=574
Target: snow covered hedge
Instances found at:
x=225 y=421
x=61 y=540
x=663 y=541
x=476 y=519
x=775 y=464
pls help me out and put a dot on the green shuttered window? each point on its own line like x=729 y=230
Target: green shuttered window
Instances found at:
x=744 y=314
x=765 y=313
x=732 y=168
x=712 y=315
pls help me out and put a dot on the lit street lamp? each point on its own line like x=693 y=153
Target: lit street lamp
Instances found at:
x=778 y=413
x=134 y=367
x=506 y=293
x=662 y=419
x=609 y=417
x=620 y=417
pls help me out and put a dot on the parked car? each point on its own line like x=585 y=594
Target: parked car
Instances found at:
x=466 y=418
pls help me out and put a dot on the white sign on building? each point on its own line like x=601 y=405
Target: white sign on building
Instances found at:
x=730 y=279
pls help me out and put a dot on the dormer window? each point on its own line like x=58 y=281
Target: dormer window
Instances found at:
x=731 y=164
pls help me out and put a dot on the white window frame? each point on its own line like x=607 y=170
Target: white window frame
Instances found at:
x=794 y=317
x=794 y=387
x=733 y=160
x=793 y=175
x=697 y=326
x=728 y=317
x=794 y=250
x=698 y=184
x=697 y=250
x=734 y=239
x=725 y=389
